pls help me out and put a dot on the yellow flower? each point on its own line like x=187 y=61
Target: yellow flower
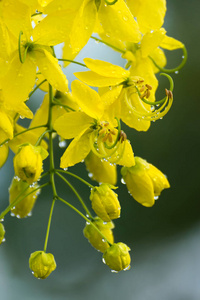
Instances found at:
x=105 y=202
x=100 y=170
x=117 y=257
x=2 y=233
x=95 y=238
x=144 y=182
x=25 y=206
x=42 y=264
x=91 y=132
x=28 y=162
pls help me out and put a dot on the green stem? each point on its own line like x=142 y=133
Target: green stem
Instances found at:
x=17 y=200
x=76 y=176
x=28 y=129
x=35 y=89
x=174 y=69
x=72 y=61
x=111 y=46
x=77 y=195
x=56 y=102
x=22 y=60
x=84 y=217
x=49 y=225
x=41 y=137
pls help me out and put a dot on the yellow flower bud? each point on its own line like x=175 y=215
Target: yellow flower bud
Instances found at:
x=117 y=257
x=42 y=264
x=28 y=163
x=144 y=181
x=105 y=203
x=2 y=233
x=25 y=206
x=101 y=170
x=95 y=238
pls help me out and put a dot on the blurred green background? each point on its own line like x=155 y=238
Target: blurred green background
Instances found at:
x=165 y=239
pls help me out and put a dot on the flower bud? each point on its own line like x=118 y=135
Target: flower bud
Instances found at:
x=101 y=170
x=42 y=264
x=28 y=162
x=2 y=233
x=117 y=257
x=25 y=206
x=144 y=181
x=105 y=203
x=94 y=236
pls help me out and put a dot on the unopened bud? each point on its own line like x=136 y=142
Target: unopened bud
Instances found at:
x=42 y=264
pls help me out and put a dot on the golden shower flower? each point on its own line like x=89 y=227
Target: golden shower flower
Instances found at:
x=2 y=233
x=117 y=257
x=25 y=206
x=42 y=264
x=144 y=182
x=94 y=236
x=105 y=202
x=28 y=162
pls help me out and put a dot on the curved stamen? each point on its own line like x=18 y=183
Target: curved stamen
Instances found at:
x=22 y=60
x=117 y=138
x=162 y=110
x=111 y=3
x=184 y=56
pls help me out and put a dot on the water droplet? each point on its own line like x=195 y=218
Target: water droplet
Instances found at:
x=29 y=214
x=3 y=240
x=18 y=216
x=103 y=240
x=114 y=271
x=125 y=18
x=104 y=223
x=12 y=214
x=156 y=197
x=90 y=175
x=127 y=268
x=122 y=181
x=1 y=220
x=22 y=117
x=176 y=72
x=62 y=144
x=183 y=56
x=65 y=169
x=103 y=260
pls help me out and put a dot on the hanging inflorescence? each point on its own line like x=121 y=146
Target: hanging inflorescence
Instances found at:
x=29 y=30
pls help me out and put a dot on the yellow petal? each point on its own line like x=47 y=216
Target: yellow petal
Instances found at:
x=49 y=67
x=151 y=41
x=6 y=125
x=159 y=57
x=72 y=124
x=55 y=28
x=94 y=79
x=117 y=20
x=4 y=151
x=106 y=69
x=88 y=99
x=111 y=95
x=170 y=43
x=83 y=25
x=17 y=17
x=76 y=151
x=21 y=77
x=150 y=15
x=127 y=159
x=60 y=5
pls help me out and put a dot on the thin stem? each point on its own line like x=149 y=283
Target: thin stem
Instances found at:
x=76 y=176
x=84 y=217
x=41 y=137
x=35 y=89
x=22 y=60
x=77 y=195
x=36 y=14
x=28 y=129
x=174 y=69
x=72 y=61
x=111 y=46
x=17 y=200
x=49 y=225
x=56 y=102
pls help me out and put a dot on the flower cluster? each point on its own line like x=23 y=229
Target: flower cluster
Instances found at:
x=91 y=118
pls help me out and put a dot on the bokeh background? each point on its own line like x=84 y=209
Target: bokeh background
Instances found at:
x=165 y=239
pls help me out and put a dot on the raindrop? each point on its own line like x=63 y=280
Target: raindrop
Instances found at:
x=183 y=56
x=22 y=117
x=114 y=271
x=90 y=175
x=1 y=220
x=62 y=144
x=12 y=214
x=3 y=240
x=104 y=223
x=127 y=268
x=103 y=240
x=176 y=72
x=122 y=181
x=65 y=169
x=125 y=18
x=103 y=260
x=156 y=197
x=18 y=216
x=29 y=214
